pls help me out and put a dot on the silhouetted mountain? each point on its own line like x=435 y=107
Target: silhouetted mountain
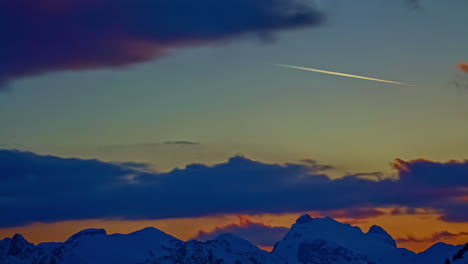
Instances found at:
x=225 y=249
x=309 y=241
x=92 y=246
x=324 y=240
x=461 y=256
x=437 y=252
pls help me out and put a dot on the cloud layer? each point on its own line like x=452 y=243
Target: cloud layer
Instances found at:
x=36 y=188
x=258 y=233
x=435 y=237
x=41 y=36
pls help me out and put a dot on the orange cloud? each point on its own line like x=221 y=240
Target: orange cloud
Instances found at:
x=463 y=66
x=355 y=213
x=257 y=232
x=244 y=221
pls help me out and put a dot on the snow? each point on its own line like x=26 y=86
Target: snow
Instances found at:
x=310 y=240
x=225 y=249
x=309 y=231
x=91 y=246
x=96 y=247
x=379 y=233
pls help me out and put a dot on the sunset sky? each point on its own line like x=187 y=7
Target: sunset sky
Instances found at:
x=126 y=114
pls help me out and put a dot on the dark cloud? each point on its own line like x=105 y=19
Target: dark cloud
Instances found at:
x=181 y=142
x=356 y=213
x=374 y=175
x=316 y=165
x=257 y=233
x=428 y=173
x=50 y=35
x=46 y=188
x=435 y=237
x=134 y=165
x=411 y=211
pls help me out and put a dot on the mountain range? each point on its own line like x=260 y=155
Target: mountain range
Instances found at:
x=309 y=241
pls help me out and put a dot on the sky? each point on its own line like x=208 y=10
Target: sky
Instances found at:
x=116 y=103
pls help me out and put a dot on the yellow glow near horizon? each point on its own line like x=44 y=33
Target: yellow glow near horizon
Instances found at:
x=399 y=226
x=339 y=74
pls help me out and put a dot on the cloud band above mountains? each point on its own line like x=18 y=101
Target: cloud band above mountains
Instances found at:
x=42 y=36
x=36 y=188
x=258 y=233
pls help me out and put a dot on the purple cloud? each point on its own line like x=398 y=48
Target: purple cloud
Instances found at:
x=257 y=233
x=41 y=36
x=435 y=237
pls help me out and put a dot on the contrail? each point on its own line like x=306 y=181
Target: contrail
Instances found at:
x=339 y=74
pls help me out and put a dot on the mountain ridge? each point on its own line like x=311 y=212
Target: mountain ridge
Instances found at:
x=309 y=241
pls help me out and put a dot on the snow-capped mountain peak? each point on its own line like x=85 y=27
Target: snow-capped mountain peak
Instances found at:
x=309 y=241
x=91 y=246
x=325 y=240
x=461 y=256
x=86 y=233
x=16 y=250
x=437 y=253
x=305 y=218
x=225 y=249
x=379 y=233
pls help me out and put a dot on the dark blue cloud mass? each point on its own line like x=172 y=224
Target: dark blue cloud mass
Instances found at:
x=36 y=188
x=50 y=35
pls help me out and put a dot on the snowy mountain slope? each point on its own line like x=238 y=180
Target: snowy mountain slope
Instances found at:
x=437 y=253
x=16 y=250
x=225 y=249
x=380 y=234
x=324 y=240
x=309 y=241
x=92 y=246
x=461 y=256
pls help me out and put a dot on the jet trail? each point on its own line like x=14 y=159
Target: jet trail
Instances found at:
x=339 y=74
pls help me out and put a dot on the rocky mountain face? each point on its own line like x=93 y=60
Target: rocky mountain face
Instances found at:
x=16 y=250
x=309 y=241
x=438 y=252
x=460 y=257
x=324 y=240
x=91 y=246
x=225 y=249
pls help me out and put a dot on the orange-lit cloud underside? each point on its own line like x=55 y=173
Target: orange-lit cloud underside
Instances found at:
x=463 y=66
x=399 y=226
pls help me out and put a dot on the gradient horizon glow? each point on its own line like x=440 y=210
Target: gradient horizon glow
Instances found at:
x=145 y=98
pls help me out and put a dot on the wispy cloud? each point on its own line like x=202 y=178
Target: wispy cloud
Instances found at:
x=256 y=232
x=181 y=142
x=435 y=237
